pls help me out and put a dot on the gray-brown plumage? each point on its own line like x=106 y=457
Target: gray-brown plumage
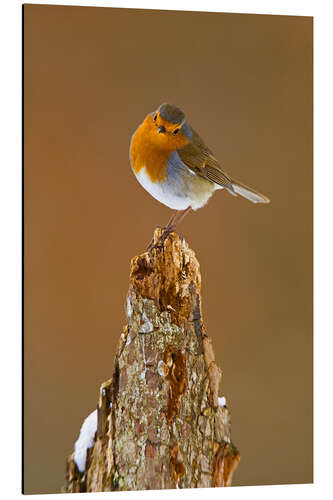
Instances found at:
x=199 y=158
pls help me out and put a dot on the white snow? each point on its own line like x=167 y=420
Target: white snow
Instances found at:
x=222 y=401
x=85 y=440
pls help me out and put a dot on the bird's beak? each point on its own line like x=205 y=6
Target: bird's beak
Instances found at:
x=161 y=129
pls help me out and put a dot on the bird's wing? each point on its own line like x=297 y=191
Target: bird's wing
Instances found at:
x=198 y=158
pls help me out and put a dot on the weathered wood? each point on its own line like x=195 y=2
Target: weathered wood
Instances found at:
x=159 y=421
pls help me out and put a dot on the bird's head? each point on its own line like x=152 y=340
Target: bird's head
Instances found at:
x=168 y=127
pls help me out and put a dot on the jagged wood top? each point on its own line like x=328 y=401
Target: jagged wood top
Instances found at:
x=159 y=420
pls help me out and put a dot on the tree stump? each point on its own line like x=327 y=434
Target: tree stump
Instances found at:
x=159 y=421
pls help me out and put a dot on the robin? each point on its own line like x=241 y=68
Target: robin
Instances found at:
x=172 y=162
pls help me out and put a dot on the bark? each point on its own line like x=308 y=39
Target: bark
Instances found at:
x=159 y=421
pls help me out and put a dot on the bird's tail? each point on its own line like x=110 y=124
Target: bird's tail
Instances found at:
x=247 y=192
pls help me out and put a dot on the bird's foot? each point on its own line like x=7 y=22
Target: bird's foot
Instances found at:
x=160 y=242
x=151 y=243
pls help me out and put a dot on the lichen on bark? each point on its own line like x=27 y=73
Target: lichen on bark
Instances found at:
x=159 y=423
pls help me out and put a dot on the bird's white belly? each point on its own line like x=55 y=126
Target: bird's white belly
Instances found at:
x=164 y=192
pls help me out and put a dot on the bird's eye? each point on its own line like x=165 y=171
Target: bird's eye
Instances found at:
x=176 y=131
x=155 y=118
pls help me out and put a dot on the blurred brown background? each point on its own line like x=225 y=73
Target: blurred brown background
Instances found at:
x=245 y=83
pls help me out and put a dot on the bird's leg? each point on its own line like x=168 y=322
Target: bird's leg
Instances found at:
x=180 y=216
x=171 y=226
x=170 y=222
x=151 y=244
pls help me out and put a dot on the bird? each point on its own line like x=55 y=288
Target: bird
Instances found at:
x=171 y=161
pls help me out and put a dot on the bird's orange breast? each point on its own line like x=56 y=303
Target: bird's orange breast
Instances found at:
x=152 y=150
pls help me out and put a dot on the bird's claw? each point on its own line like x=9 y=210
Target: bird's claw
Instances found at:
x=160 y=242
